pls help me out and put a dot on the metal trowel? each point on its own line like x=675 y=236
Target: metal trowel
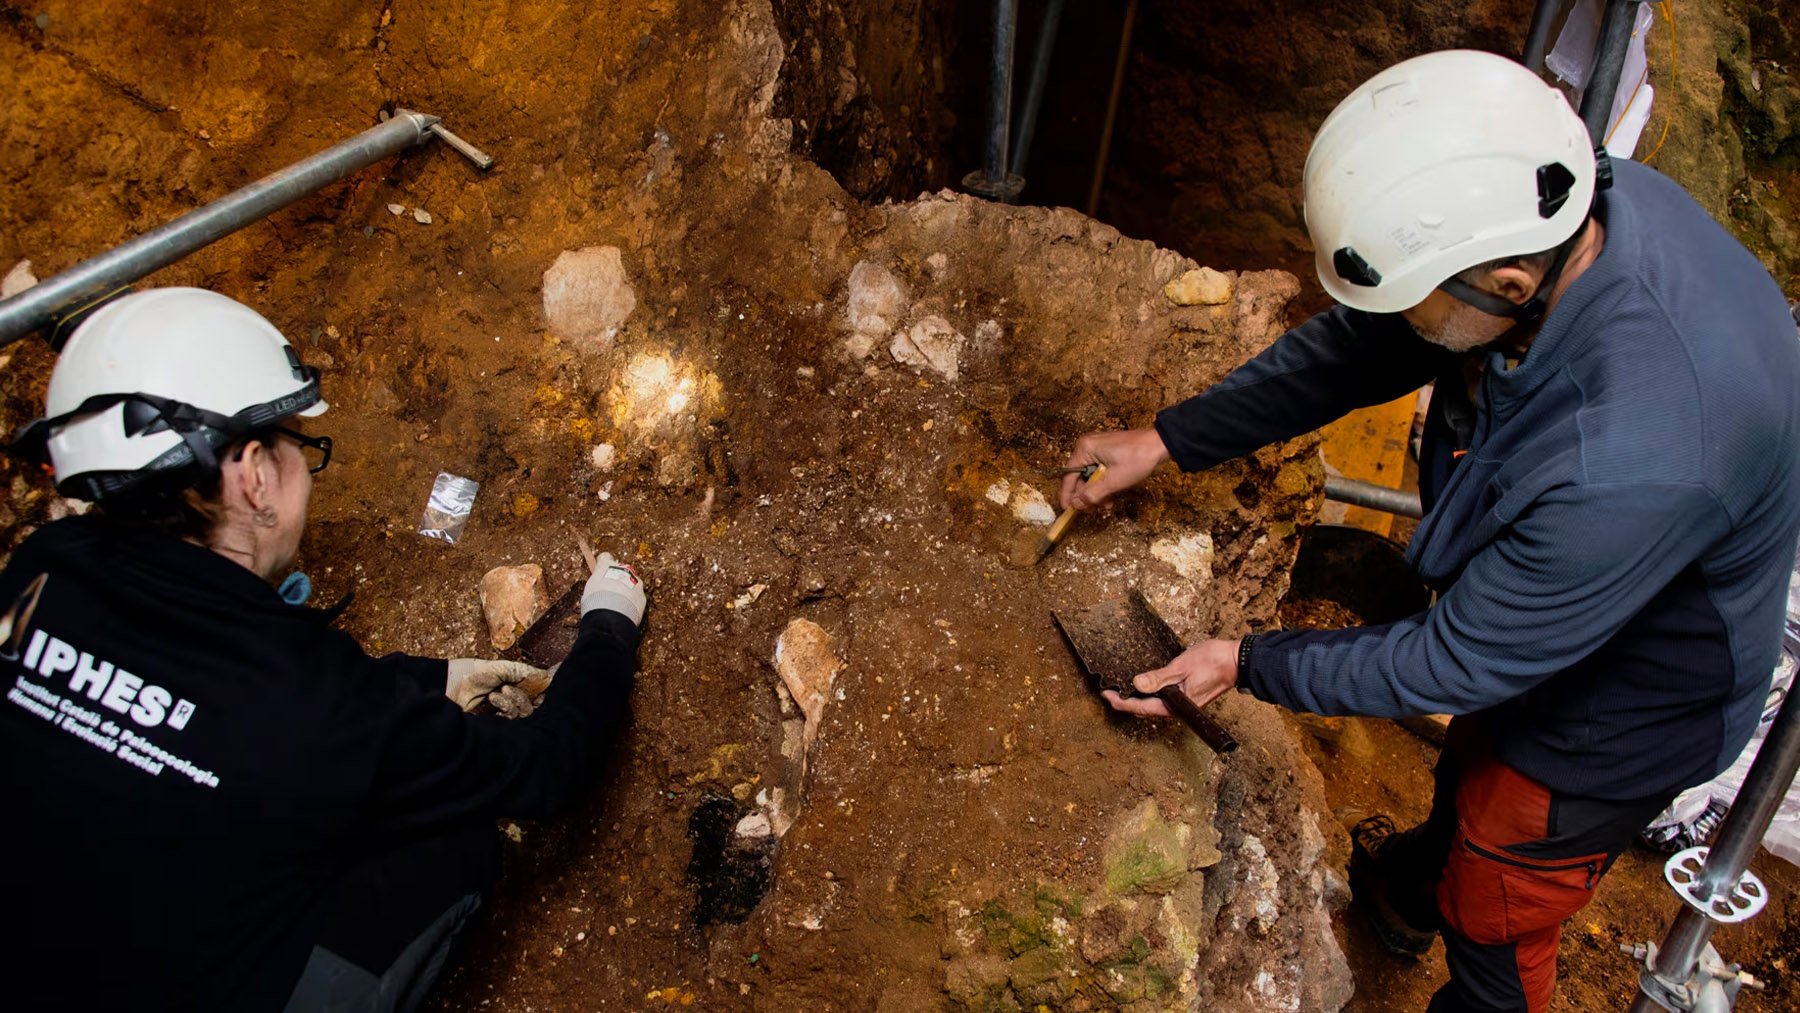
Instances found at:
x=1116 y=641
x=546 y=642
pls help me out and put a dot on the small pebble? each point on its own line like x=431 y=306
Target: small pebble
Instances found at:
x=422 y=216
x=396 y=209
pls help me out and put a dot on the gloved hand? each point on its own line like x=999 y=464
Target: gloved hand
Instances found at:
x=512 y=687
x=614 y=586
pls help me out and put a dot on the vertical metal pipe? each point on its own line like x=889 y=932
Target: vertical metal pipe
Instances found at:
x=1757 y=802
x=1112 y=109
x=1609 y=62
x=40 y=304
x=1034 y=90
x=1537 y=40
x=1006 y=26
x=1738 y=837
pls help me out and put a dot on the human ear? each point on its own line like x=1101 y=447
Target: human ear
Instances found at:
x=1514 y=283
x=257 y=476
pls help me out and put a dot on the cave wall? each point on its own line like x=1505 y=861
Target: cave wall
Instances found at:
x=867 y=84
x=1729 y=125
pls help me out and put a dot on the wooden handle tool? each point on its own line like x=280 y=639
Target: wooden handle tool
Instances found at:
x=1063 y=520
x=1211 y=732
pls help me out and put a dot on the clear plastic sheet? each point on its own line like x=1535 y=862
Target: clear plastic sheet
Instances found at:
x=447 y=511
x=1689 y=807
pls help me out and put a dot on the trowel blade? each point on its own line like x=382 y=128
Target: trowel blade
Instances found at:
x=546 y=642
x=1115 y=641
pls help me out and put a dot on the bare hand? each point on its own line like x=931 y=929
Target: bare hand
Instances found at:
x=1130 y=456
x=1203 y=672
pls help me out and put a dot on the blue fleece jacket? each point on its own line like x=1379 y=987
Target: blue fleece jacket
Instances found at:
x=1612 y=543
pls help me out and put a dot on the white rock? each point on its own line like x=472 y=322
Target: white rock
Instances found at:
x=1030 y=506
x=875 y=301
x=988 y=333
x=1202 y=286
x=1258 y=872
x=422 y=216
x=938 y=265
x=780 y=816
x=807 y=663
x=930 y=344
x=1190 y=553
x=748 y=598
x=754 y=825
x=858 y=346
x=17 y=280
x=66 y=507
x=512 y=598
x=999 y=492
x=603 y=456
x=587 y=295
x=396 y=209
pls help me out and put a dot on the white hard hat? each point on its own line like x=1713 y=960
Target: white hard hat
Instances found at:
x=1436 y=165
x=152 y=384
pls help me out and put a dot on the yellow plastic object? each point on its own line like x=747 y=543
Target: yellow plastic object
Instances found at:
x=1368 y=444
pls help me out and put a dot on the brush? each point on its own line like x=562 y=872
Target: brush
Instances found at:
x=1063 y=520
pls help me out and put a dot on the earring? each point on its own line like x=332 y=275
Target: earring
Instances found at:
x=264 y=518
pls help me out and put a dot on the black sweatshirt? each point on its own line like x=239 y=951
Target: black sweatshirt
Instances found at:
x=187 y=762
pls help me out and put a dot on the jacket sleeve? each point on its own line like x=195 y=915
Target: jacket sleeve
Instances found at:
x=438 y=765
x=1341 y=359
x=1566 y=576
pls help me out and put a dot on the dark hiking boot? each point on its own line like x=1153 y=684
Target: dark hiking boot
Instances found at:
x=1404 y=916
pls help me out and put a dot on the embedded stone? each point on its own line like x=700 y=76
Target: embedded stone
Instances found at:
x=512 y=598
x=1202 y=286
x=587 y=295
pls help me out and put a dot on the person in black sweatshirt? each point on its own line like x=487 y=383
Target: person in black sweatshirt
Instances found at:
x=216 y=801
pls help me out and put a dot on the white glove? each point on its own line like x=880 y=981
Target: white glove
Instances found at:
x=616 y=587
x=511 y=687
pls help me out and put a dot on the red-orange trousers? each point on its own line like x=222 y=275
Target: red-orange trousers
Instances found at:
x=1519 y=858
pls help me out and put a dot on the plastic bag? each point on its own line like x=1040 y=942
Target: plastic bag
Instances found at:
x=1690 y=819
x=447 y=511
x=1572 y=58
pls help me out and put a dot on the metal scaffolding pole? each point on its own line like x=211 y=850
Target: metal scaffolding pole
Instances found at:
x=44 y=303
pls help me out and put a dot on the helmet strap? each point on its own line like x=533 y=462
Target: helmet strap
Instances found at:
x=1523 y=314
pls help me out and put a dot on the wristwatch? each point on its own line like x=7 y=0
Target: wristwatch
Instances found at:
x=1243 y=660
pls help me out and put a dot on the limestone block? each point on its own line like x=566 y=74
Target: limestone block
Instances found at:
x=587 y=295
x=512 y=598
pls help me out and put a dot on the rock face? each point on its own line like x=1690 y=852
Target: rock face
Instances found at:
x=512 y=597
x=587 y=295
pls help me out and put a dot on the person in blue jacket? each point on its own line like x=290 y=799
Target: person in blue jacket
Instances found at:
x=1609 y=477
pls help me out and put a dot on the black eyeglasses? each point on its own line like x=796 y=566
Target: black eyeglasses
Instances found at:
x=315 y=449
